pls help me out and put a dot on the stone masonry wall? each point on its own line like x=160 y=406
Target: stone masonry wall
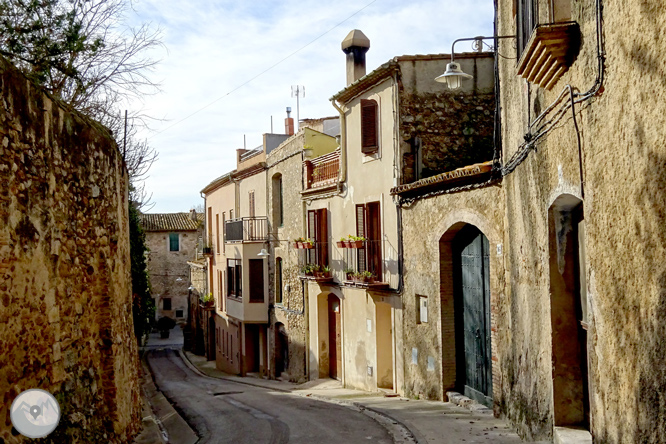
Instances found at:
x=623 y=149
x=454 y=130
x=424 y=225
x=165 y=267
x=286 y=160
x=65 y=291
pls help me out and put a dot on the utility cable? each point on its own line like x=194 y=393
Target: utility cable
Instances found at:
x=261 y=73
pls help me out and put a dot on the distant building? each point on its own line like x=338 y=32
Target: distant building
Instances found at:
x=172 y=241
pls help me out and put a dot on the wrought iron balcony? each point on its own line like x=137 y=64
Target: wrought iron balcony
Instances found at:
x=246 y=229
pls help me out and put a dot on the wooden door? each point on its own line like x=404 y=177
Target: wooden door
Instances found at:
x=473 y=313
x=334 y=337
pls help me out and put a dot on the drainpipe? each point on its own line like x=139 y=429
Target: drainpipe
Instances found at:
x=343 y=145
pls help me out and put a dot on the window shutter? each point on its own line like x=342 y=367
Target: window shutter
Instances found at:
x=369 y=142
x=360 y=231
x=322 y=237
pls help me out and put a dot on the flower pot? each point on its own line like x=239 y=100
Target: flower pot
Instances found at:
x=295 y=244
x=350 y=276
x=340 y=244
x=308 y=245
x=356 y=244
x=346 y=244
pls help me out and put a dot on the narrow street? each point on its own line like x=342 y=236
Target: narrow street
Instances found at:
x=227 y=412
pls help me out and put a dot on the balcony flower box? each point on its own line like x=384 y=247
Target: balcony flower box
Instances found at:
x=341 y=244
x=308 y=245
x=355 y=244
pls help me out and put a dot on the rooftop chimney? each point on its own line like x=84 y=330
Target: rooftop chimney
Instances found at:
x=289 y=123
x=355 y=45
x=193 y=214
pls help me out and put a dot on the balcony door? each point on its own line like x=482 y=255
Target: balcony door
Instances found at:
x=318 y=232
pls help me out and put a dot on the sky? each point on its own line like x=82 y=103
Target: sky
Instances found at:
x=227 y=67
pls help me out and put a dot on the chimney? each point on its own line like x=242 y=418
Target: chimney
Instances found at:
x=193 y=214
x=289 y=123
x=355 y=45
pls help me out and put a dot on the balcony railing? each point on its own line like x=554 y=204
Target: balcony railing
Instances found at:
x=322 y=171
x=378 y=259
x=246 y=229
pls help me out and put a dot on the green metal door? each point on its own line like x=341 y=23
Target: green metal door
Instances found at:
x=474 y=367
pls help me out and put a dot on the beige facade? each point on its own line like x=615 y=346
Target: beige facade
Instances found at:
x=584 y=238
x=236 y=232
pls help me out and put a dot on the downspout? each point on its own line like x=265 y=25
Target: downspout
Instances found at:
x=397 y=170
x=343 y=146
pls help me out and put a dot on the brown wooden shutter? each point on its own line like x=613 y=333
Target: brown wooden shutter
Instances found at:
x=360 y=231
x=322 y=237
x=369 y=142
x=374 y=235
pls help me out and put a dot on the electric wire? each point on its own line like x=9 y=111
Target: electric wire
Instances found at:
x=261 y=73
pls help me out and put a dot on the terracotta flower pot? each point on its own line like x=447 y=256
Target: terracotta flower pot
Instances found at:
x=356 y=244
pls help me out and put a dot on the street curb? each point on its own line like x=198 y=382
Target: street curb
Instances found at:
x=171 y=419
x=410 y=436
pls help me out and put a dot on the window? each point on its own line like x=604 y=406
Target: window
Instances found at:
x=234 y=278
x=251 y=202
x=318 y=232
x=368 y=226
x=526 y=21
x=179 y=313
x=219 y=290
x=166 y=304
x=217 y=233
x=278 y=209
x=278 y=280
x=256 y=280
x=174 y=245
x=369 y=127
x=421 y=309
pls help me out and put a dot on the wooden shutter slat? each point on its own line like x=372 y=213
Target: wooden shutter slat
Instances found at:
x=369 y=126
x=360 y=231
x=322 y=224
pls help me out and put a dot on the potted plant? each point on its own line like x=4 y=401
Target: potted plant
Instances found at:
x=341 y=243
x=356 y=241
x=207 y=300
x=298 y=242
x=208 y=248
x=164 y=325
x=322 y=272
x=367 y=277
x=308 y=270
x=308 y=243
x=349 y=273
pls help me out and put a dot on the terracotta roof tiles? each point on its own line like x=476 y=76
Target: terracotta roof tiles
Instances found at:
x=170 y=221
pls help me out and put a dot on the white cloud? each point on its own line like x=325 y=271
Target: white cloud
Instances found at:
x=212 y=47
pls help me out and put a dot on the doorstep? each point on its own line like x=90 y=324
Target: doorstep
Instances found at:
x=571 y=435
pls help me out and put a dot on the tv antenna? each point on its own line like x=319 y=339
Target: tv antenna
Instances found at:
x=298 y=90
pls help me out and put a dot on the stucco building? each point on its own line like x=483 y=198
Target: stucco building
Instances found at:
x=172 y=240
x=236 y=232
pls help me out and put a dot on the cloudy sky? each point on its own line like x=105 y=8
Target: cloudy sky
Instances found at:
x=228 y=66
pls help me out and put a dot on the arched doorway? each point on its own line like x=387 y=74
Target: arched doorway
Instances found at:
x=568 y=312
x=281 y=350
x=471 y=254
x=465 y=296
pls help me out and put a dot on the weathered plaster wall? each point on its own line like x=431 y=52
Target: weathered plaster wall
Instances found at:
x=440 y=129
x=286 y=162
x=424 y=224
x=65 y=292
x=623 y=144
x=165 y=267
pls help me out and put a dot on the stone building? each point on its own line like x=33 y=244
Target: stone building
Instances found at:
x=583 y=156
x=172 y=240
x=65 y=287
x=286 y=213
x=451 y=211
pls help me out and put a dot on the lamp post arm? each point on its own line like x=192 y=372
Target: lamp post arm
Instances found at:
x=469 y=39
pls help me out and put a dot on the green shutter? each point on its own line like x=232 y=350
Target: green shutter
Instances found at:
x=173 y=242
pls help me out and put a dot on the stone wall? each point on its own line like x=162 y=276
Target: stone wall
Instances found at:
x=425 y=224
x=286 y=162
x=65 y=291
x=165 y=267
x=623 y=168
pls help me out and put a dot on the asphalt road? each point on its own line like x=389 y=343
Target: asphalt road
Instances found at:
x=227 y=412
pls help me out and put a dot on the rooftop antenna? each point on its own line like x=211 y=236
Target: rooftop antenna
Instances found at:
x=297 y=90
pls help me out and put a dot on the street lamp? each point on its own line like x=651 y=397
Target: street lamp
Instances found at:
x=264 y=254
x=454 y=76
